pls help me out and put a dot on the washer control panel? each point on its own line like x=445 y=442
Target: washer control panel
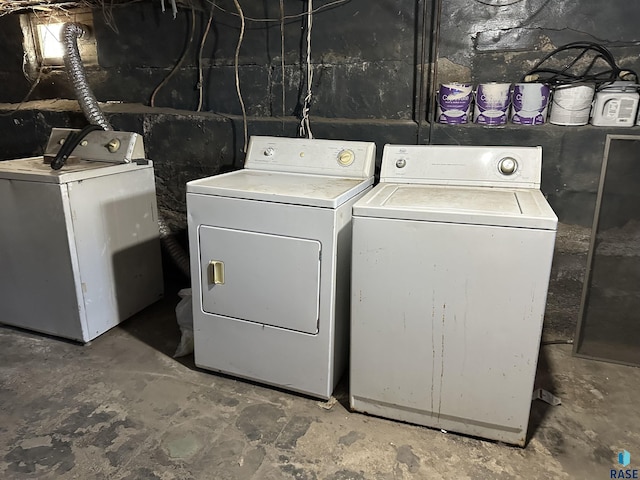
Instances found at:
x=322 y=157
x=518 y=167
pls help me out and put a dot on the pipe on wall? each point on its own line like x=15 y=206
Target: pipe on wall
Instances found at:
x=433 y=62
x=421 y=103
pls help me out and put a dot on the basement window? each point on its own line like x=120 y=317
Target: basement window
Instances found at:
x=48 y=35
x=42 y=35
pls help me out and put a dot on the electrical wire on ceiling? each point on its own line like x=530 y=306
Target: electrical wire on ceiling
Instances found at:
x=174 y=8
x=180 y=61
x=200 y=84
x=332 y=4
x=305 y=126
x=47 y=7
x=237 y=75
x=571 y=73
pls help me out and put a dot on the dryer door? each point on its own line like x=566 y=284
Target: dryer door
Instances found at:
x=263 y=278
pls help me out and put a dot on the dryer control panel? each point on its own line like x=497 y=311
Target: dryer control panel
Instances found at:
x=314 y=156
x=518 y=167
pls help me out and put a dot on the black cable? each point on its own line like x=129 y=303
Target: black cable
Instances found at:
x=64 y=152
x=578 y=57
x=69 y=145
x=563 y=76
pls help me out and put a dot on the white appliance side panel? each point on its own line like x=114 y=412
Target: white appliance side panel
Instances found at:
x=268 y=279
x=457 y=311
x=38 y=280
x=343 y=285
x=275 y=356
x=115 y=219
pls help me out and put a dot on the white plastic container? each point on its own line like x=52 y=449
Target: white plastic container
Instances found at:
x=616 y=105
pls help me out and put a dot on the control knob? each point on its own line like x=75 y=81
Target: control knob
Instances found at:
x=346 y=157
x=507 y=166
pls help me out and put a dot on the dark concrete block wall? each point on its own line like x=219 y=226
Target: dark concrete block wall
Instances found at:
x=363 y=55
x=499 y=40
x=365 y=84
x=369 y=84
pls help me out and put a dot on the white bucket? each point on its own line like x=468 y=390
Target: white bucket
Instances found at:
x=571 y=104
x=529 y=101
x=454 y=103
x=492 y=103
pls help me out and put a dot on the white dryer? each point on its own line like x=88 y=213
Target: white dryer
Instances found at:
x=451 y=261
x=270 y=260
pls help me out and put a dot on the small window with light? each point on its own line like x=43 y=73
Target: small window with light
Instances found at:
x=42 y=38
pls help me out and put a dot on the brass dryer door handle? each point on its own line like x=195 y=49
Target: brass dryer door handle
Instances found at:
x=216 y=272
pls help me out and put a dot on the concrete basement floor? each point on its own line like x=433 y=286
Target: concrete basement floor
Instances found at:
x=123 y=408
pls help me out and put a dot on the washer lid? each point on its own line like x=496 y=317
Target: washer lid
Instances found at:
x=525 y=208
x=33 y=169
x=292 y=188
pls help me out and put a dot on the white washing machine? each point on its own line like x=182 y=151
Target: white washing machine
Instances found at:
x=79 y=246
x=451 y=261
x=270 y=260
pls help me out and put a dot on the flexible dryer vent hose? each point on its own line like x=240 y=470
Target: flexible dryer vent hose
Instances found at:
x=89 y=105
x=173 y=248
x=75 y=69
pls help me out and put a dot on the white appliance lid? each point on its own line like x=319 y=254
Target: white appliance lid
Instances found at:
x=507 y=207
x=291 y=188
x=34 y=169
